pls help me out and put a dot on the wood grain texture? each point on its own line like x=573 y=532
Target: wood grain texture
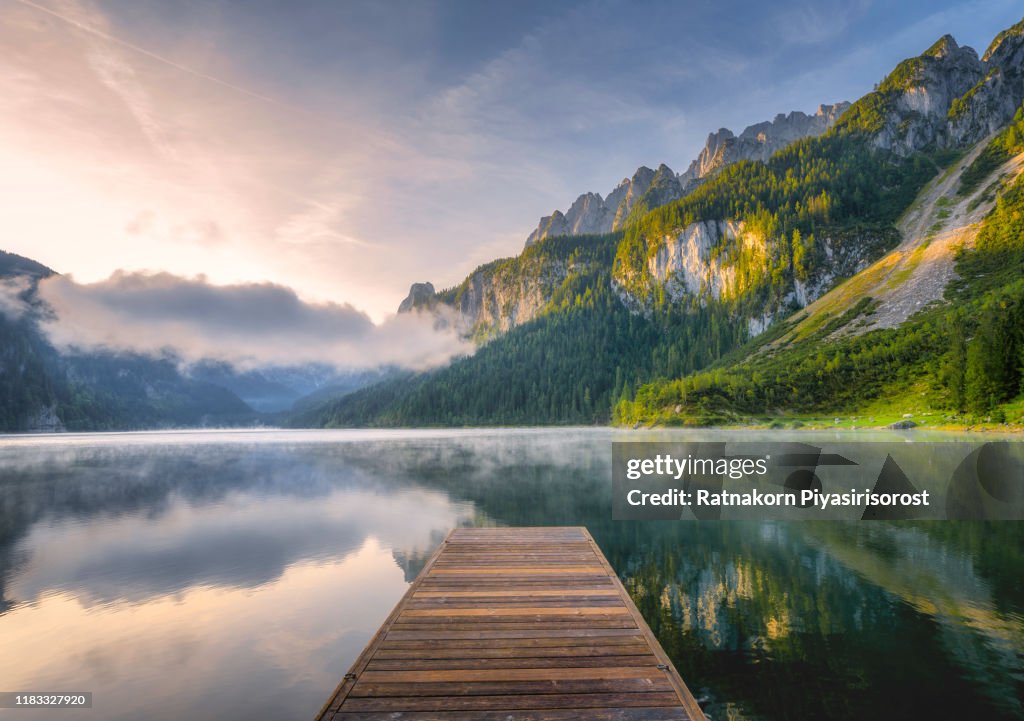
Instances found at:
x=517 y=624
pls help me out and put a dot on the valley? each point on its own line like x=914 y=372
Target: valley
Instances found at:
x=848 y=267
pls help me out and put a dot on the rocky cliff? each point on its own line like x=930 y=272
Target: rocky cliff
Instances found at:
x=759 y=141
x=421 y=295
x=648 y=189
x=702 y=261
x=592 y=214
x=947 y=97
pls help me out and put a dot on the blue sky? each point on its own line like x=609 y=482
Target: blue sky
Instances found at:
x=347 y=149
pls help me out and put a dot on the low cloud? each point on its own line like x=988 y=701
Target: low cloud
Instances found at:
x=12 y=296
x=247 y=325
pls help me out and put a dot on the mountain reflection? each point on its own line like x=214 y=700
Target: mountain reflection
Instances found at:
x=258 y=565
x=128 y=524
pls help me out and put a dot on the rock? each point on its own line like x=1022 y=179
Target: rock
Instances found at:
x=948 y=96
x=590 y=213
x=908 y=415
x=901 y=425
x=759 y=141
x=421 y=295
x=690 y=262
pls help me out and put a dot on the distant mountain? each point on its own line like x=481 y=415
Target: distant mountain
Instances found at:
x=930 y=334
x=759 y=141
x=274 y=389
x=14 y=266
x=44 y=389
x=590 y=214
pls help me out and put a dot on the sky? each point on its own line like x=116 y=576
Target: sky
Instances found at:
x=340 y=150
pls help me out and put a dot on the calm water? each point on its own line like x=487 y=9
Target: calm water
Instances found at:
x=222 y=575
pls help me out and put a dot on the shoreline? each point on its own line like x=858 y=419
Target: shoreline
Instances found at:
x=796 y=424
x=790 y=424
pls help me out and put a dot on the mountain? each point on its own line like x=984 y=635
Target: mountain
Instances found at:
x=592 y=215
x=759 y=141
x=16 y=266
x=945 y=97
x=505 y=293
x=647 y=189
x=933 y=331
x=865 y=262
x=46 y=389
x=741 y=273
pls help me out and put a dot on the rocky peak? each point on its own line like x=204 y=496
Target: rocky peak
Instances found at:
x=1014 y=35
x=649 y=188
x=421 y=295
x=947 y=96
x=946 y=45
x=590 y=213
x=759 y=141
x=663 y=188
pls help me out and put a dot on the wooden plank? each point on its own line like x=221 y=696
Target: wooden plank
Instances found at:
x=506 y=623
x=510 y=702
x=623 y=661
x=553 y=601
x=514 y=611
x=507 y=570
x=522 y=624
x=607 y=714
x=477 y=634
x=520 y=674
x=600 y=641
x=512 y=651
x=512 y=688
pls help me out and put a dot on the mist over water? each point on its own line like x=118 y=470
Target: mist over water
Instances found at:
x=210 y=574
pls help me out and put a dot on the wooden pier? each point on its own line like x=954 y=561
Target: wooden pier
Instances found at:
x=514 y=624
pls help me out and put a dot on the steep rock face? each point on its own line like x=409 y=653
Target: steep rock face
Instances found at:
x=701 y=261
x=945 y=97
x=663 y=188
x=592 y=214
x=759 y=141
x=648 y=189
x=421 y=295
x=494 y=300
x=995 y=98
x=627 y=194
x=683 y=262
x=918 y=94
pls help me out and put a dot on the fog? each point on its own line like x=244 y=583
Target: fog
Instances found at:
x=247 y=325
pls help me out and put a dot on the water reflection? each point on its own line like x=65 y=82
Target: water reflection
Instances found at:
x=176 y=574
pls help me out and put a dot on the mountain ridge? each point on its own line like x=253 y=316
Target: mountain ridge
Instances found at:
x=591 y=214
x=710 y=301
x=758 y=240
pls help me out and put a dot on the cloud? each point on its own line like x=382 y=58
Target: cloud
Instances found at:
x=12 y=296
x=347 y=149
x=247 y=325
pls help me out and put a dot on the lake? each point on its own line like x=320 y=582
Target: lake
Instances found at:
x=237 y=574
